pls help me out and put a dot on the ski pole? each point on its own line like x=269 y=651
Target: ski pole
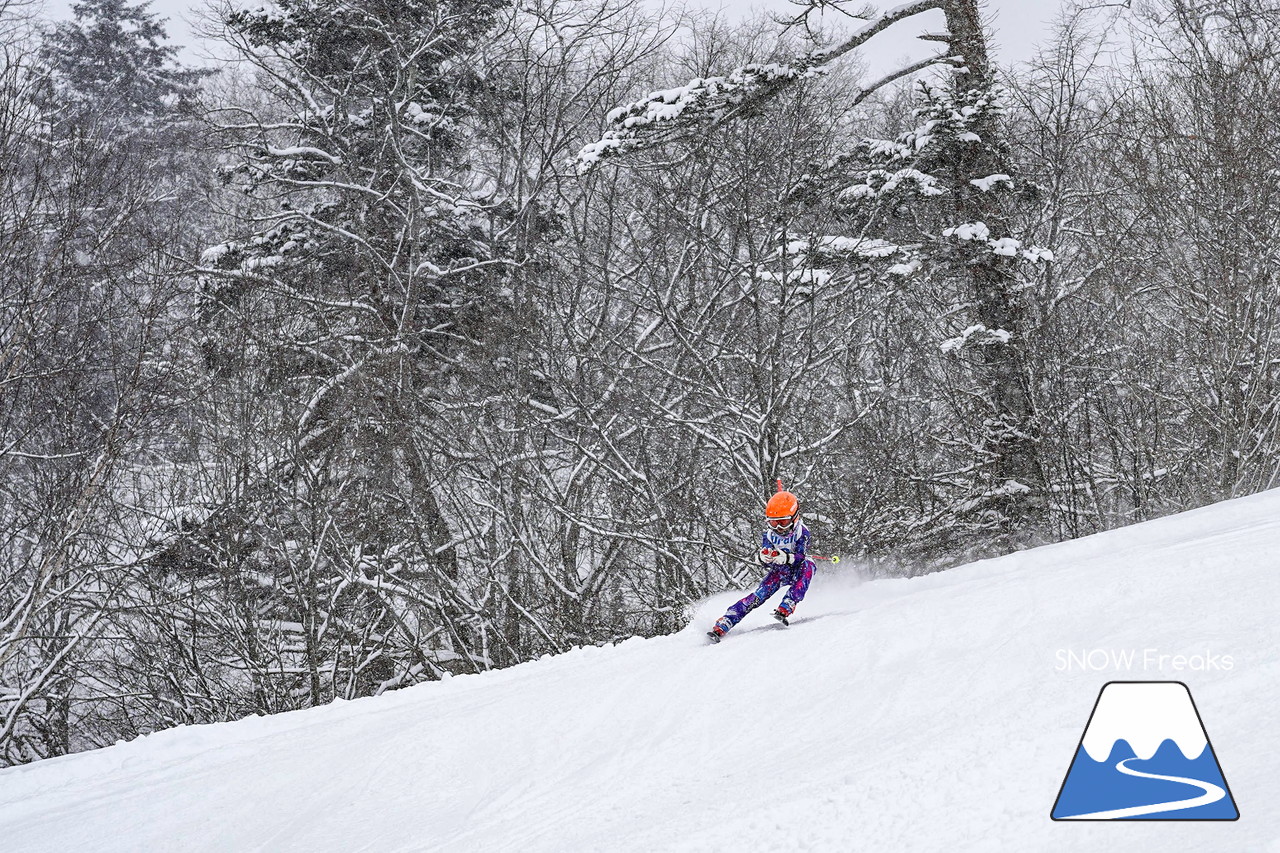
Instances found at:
x=834 y=558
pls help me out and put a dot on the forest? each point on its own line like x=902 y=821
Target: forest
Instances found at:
x=426 y=337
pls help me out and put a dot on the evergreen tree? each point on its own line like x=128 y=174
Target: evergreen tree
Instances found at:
x=927 y=215
x=111 y=65
x=377 y=270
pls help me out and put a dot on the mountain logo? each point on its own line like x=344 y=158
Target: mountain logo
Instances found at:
x=1144 y=755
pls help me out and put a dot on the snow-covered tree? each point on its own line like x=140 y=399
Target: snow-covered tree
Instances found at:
x=111 y=65
x=950 y=182
x=371 y=291
x=93 y=205
x=1156 y=331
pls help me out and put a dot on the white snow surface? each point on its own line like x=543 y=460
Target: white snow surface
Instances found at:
x=898 y=715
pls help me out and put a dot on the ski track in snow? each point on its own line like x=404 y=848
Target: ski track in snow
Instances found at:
x=897 y=715
x=1211 y=794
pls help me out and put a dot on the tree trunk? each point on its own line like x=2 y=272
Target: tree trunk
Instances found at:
x=1013 y=484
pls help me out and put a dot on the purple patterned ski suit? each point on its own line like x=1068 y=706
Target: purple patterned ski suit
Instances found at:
x=798 y=574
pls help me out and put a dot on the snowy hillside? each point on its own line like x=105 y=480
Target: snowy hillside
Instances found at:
x=929 y=714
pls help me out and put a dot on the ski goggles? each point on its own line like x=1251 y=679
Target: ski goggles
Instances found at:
x=782 y=525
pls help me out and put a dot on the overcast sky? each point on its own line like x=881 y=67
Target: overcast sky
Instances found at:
x=1018 y=26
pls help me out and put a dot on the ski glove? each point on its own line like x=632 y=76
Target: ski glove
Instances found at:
x=776 y=557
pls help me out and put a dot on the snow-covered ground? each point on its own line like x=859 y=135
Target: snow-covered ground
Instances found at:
x=939 y=713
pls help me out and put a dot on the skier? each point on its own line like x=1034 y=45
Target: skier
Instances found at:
x=783 y=549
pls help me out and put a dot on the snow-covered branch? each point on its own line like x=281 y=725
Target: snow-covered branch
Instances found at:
x=667 y=113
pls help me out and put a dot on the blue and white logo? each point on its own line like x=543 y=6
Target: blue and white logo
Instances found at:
x=1145 y=756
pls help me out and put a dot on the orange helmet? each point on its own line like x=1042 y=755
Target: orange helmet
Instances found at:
x=782 y=511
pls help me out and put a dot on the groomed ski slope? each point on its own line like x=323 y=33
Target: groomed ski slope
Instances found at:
x=927 y=714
